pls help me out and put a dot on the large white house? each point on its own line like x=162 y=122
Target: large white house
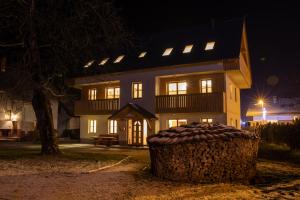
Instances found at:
x=177 y=78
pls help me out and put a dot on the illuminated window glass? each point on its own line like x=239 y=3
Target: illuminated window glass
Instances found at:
x=112 y=93
x=207 y=120
x=168 y=51
x=176 y=122
x=209 y=46
x=92 y=94
x=89 y=64
x=175 y=88
x=112 y=126
x=137 y=90
x=206 y=86
x=143 y=54
x=104 y=61
x=92 y=125
x=119 y=59
x=231 y=91
x=188 y=48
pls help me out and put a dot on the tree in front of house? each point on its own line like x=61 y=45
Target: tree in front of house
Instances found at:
x=44 y=40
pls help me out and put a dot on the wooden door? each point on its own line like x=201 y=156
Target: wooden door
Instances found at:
x=137 y=134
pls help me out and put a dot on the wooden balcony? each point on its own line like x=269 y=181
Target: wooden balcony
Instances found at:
x=202 y=102
x=96 y=107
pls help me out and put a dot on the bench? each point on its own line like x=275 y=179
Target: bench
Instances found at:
x=106 y=139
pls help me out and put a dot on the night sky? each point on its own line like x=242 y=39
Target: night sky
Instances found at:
x=273 y=35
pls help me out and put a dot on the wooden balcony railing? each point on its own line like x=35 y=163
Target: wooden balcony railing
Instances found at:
x=92 y=107
x=202 y=102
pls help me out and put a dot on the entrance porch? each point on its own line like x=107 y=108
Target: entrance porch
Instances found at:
x=134 y=124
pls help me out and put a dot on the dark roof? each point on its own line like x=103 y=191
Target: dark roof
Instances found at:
x=227 y=36
x=145 y=113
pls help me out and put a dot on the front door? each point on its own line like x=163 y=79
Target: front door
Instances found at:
x=135 y=132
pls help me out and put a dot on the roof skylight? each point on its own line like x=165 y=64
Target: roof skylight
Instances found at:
x=167 y=52
x=143 y=54
x=210 y=45
x=104 y=61
x=89 y=63
x=119 y=58
x=188 y=48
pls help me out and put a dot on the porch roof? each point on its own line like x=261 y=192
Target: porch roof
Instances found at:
x=130 y=110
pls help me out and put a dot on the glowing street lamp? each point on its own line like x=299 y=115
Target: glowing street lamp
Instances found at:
x=263 y=109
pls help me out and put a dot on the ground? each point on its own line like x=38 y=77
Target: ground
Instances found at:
x=76 y=175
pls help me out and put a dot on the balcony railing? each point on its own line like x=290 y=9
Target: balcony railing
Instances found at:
x=202 y=102
x=92 y=107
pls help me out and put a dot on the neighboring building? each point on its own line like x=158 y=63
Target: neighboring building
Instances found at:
x=18 y=116
x=278 y=110
x=178 y=78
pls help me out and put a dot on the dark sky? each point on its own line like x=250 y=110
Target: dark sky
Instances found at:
x=273 y=35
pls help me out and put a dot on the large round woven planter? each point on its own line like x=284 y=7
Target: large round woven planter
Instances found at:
x=204 y=153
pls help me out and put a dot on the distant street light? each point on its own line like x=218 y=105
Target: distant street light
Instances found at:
x=263 y=109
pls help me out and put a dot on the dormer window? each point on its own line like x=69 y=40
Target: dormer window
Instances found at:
x=210 y=46
x=89 y=63
x=167 y=52
x=143 y=54
x=188 y=48
x=119 y=59
x=104 y=61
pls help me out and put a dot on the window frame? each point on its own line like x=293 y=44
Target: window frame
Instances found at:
x=206 y=86
x=92 y=94
x=139 y=90
x=207 y=120
x=114 y=93
x=112 y=126
x=92 y=126
x=177 y=87
x=177 y=122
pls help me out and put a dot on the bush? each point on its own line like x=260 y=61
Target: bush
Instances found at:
x=288 y=134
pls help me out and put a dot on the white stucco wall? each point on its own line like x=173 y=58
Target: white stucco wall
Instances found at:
x=101 y=126
x=233 y=107
x=190 y=117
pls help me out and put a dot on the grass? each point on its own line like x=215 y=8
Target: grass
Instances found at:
x=14 y=152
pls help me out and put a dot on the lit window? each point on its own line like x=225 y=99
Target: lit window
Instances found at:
x=206 y=86
x=175 y=88
x=137 y=90
x=92 y=124
x=142 y=55
x=188 y=49
x=119 y=58
x=167 y=51
x=112 y=93
x=209 y=46
x=207 y=120
x=92 y=94
x=176 y=122
x=104 y=61
x=112 y=126
x=89 y=64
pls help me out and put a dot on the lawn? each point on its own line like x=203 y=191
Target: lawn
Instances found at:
x=24 y=174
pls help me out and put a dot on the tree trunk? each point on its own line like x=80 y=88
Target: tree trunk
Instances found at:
x=43 y=112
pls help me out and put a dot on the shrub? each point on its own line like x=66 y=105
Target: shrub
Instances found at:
x=288 y=134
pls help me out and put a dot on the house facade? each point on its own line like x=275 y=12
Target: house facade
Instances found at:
x=176 y=79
